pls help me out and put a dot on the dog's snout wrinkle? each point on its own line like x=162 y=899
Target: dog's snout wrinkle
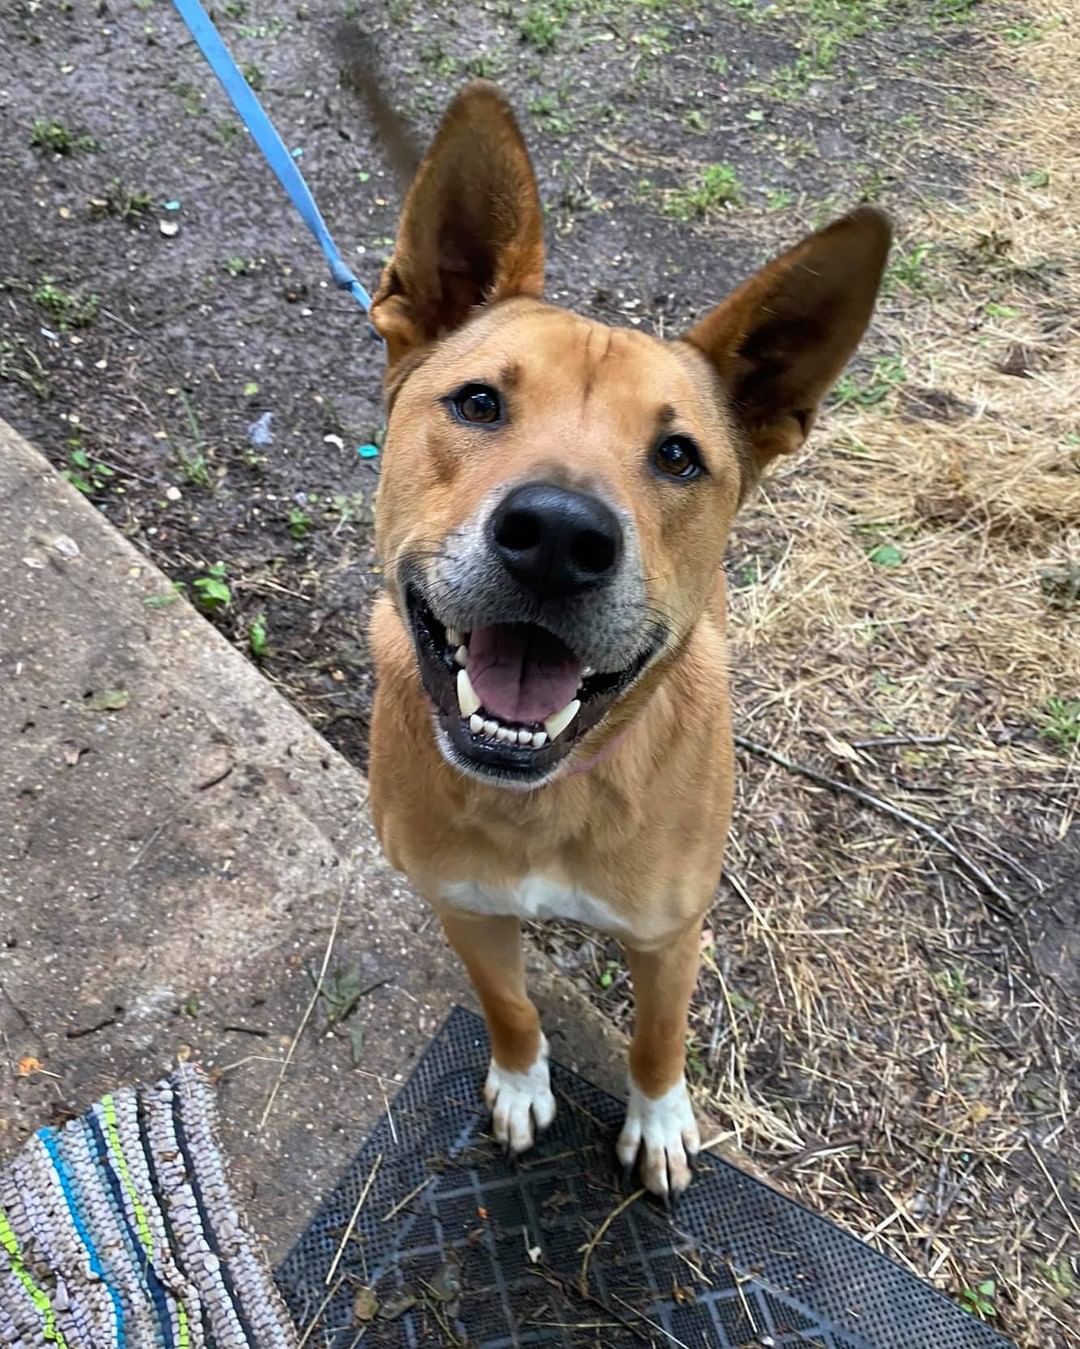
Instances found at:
x=555 y=542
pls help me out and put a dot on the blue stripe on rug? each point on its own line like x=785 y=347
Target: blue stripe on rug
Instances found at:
x=48 y=1139
x=158 y=1293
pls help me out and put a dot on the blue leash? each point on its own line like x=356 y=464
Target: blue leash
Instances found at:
x=269 y=142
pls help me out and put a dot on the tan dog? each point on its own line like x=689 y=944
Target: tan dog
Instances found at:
x=552 y=730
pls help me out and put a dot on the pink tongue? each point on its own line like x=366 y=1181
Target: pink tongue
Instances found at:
x=521 y=673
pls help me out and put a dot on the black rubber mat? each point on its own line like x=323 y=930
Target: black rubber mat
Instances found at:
x=455 y=1245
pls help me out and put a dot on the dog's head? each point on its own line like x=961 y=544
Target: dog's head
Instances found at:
x=557 y=494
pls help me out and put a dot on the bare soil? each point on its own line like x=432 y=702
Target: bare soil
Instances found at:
x=886 y=1033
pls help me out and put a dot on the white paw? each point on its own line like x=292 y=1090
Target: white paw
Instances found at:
x=663 y=1130
x=521 y=1103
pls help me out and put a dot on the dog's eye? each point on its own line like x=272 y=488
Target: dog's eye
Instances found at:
x=478 y=403
x=678 y=457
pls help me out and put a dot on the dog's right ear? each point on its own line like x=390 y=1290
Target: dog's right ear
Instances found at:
x=471 y=230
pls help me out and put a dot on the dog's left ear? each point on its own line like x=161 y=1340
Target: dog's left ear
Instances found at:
x=780 y=341
x=471 y=229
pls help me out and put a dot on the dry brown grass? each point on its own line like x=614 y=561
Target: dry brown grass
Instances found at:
x=868 y=1028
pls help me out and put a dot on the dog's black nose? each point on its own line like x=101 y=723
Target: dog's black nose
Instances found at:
x=556 y=542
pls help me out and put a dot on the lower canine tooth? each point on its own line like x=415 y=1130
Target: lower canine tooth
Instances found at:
x=466 y=695
x=558 y=723
x=476 y=724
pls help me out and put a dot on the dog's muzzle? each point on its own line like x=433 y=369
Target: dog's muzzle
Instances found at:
x=528 y=626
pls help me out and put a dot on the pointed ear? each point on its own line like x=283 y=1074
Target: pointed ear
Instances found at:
x=471 y=229
x=780 y=340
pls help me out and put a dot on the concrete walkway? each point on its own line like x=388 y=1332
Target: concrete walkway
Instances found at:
x=175 y=842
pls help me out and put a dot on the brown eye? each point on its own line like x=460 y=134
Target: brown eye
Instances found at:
x=677 y=457
x=479 y=404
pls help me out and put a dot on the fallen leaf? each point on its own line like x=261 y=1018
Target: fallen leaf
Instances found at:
x=842 y=749
x=886 y=555
x=28 y=1065
x=108 y=700
x=394 y=1307
x=365 y=1306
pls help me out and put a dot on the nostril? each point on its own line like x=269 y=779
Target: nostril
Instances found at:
x=593 y=552
x=518 y=531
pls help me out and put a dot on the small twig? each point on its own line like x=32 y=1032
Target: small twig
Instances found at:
x=892 y=741
x=655 y=1324
x=594 y=1240
x=822 y=1149
x=393 y=1212
x=352 y=1221
x=307 y=1014
x=999 y=901
x=321 y=1308
x=569 y=1291
x=1054 y=1186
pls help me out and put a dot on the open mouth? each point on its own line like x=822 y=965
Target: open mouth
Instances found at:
x=512 y=698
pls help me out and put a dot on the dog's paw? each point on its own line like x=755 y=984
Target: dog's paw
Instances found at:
x=663 y=1131
x=521 y=1103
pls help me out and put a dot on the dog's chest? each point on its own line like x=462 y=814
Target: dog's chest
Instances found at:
x=535 y=897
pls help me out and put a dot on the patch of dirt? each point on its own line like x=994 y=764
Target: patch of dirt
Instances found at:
x=872 y=1030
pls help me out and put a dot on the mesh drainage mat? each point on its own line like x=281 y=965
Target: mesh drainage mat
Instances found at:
x=454 y=1245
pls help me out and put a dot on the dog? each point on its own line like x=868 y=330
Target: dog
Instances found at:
x=551 y=734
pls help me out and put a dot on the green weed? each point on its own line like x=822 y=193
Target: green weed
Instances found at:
x=48 y=134
x=257 y=639
x=715 y=187
x=867 y=390
x=299 y=523
x=195 y=468
x=541 y=25
x=124 y=203
x=67 y=308
x=910 y=271
x=88 y=475
x=212 y=593
x=980 y=1300
x=1061 y=722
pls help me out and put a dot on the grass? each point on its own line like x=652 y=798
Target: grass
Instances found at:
x=715 y=187
x=122 y=202
x=54 y=137
x=66 y=308
x=1061 y=722
x=195 y=468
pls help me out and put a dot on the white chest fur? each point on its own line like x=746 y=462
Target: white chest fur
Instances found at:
x=535 y=897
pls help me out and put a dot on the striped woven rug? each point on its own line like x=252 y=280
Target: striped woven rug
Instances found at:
x=118 y=1231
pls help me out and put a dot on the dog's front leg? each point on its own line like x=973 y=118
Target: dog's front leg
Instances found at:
x=660 y=1122
x=518 y=1087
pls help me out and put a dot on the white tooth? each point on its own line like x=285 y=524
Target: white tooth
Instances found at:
x=466 y=694
x=507 y=737
x=453 y=637
x=461 y=655
x=558 y=723
x=476 y=724
x=539 y=740
x=524 y=737
x=588 y=670
x=490 y=727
